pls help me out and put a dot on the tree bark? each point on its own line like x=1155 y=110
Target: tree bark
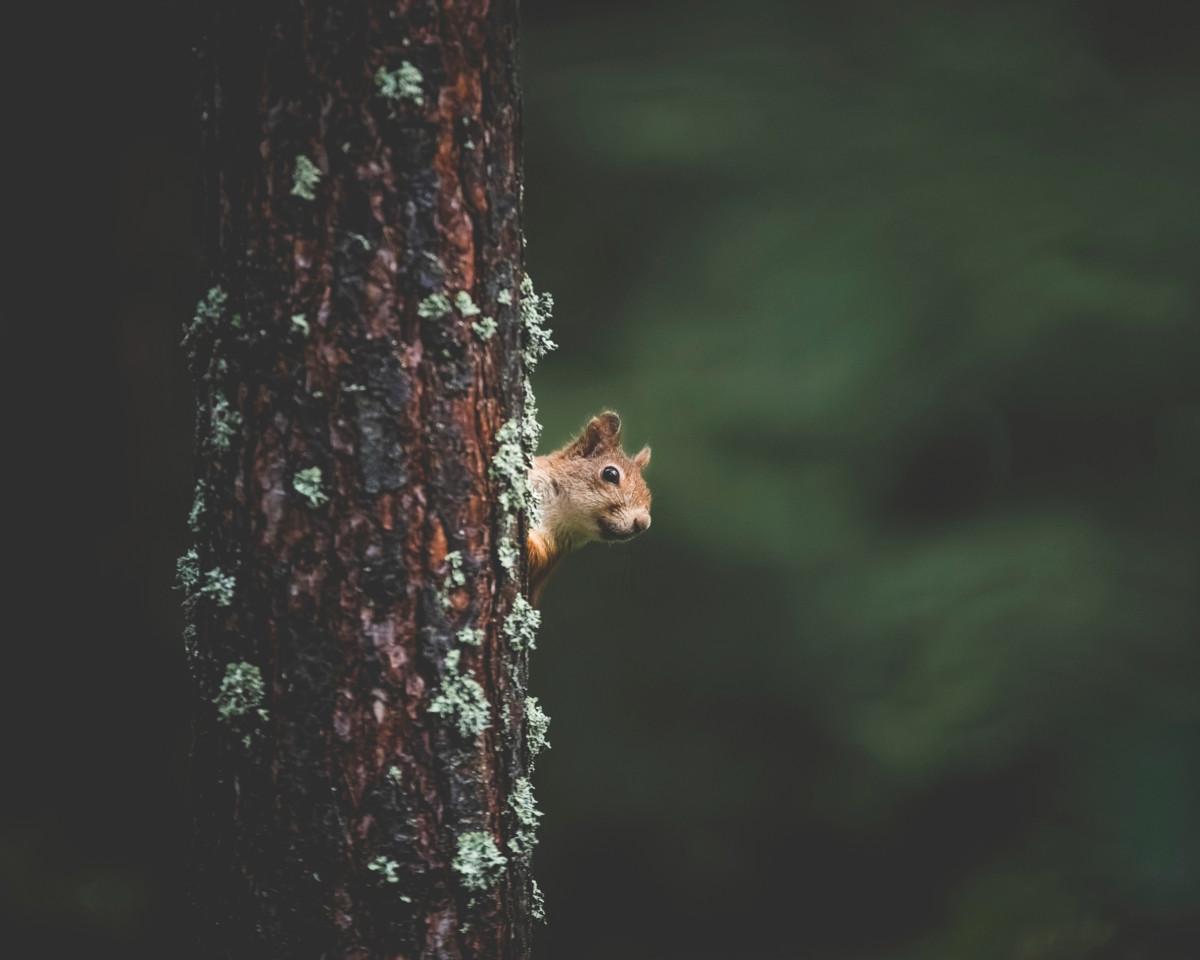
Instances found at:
x=356 y=628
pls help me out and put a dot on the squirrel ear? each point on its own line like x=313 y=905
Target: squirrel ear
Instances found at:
x=608 y=424
x=603 y=432
x=641 y=459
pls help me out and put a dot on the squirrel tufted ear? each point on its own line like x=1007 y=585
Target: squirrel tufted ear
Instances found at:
x=641 y=459
x=603 y=432
x=608 y=424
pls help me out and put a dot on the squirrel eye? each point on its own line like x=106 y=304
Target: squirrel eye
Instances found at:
x=610 y=475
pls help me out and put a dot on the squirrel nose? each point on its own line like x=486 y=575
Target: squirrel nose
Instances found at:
x=640 y=522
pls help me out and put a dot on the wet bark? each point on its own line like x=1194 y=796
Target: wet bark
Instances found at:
x=361 y=202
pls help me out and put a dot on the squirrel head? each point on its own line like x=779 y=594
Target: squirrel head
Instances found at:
x=598 y=490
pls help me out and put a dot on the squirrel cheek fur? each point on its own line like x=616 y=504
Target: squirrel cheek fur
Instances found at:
x=588 y=490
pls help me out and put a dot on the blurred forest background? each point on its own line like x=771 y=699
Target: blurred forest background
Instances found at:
x=905 y=297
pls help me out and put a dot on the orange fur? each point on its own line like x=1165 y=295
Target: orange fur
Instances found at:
x=542 y=560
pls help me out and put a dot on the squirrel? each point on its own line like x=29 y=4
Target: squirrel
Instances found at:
x=588 y=490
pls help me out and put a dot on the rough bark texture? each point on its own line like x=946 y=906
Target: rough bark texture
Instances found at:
x=346 y=584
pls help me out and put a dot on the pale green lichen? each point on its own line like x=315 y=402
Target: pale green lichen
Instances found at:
x=433 y=306
x=537 y=725
x=531 y=426
x=537 y=906
x=524 y=807
x=510 y=467
x=307 y=483
x=225 y=423
x=508 y=554
x=396 y=776
x=504 y=297
x=521 y=625
x=454 y=565
x=388 y=869
x=518 y=437
x=471 y=636
x=403 y=83
x=536 y=310
x=241 y=693
x=455 y=577
x=189 y=644
x=218 y=585
x=478 y=862
x=211 y=306
x=300 y=323
x=462 y=700
x=305 y=178
x=208 y=311
x=197 y=510
x=466 y=306
x=187 y=571
x=484 y=329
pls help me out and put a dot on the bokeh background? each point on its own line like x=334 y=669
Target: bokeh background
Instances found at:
x=905 y=297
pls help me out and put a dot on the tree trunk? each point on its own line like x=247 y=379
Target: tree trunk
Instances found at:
x=356 y=628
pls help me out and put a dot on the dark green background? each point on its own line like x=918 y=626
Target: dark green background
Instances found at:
x=905 y=298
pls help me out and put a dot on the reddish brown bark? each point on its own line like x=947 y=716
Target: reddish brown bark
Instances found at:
x=344 y=436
